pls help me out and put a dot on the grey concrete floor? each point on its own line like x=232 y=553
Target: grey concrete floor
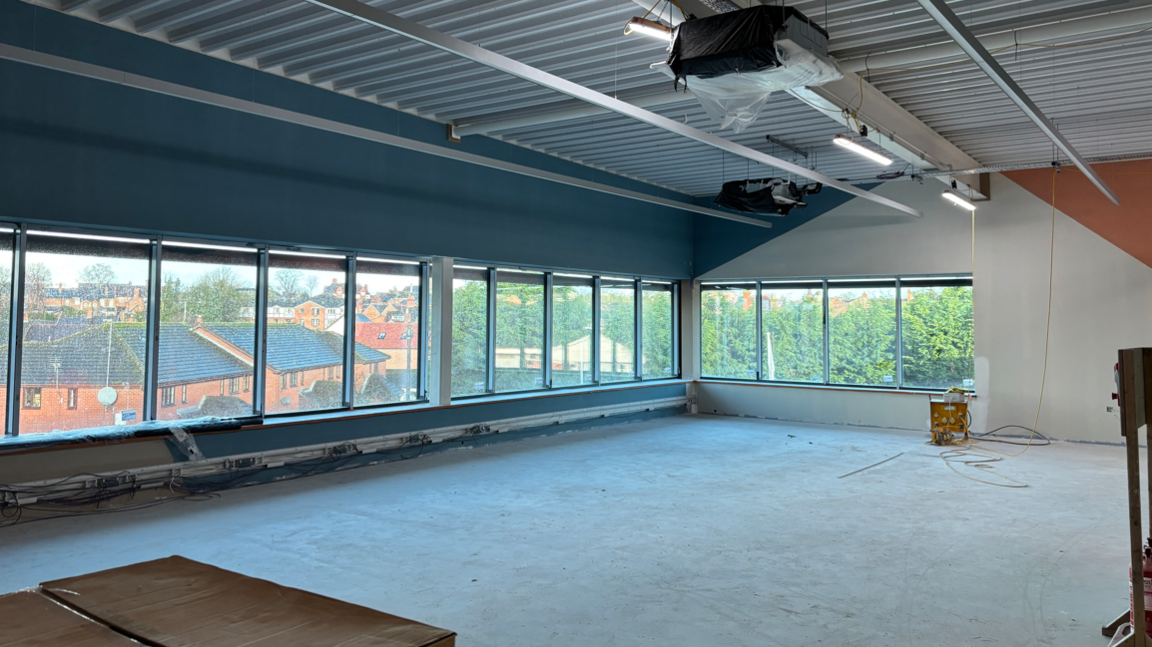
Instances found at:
x=694 y=530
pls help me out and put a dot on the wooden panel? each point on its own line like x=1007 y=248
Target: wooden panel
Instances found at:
x=28 y=619
x=176 y=602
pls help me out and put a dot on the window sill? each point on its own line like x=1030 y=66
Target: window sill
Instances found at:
x=826 y=387
x=40 y=442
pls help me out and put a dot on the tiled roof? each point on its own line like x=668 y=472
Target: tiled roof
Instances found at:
x=325 y=301
x=292 y=347
x=114 y=354
x=369 y=334
x=40 y=332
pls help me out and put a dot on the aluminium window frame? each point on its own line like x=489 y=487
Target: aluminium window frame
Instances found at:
x=898 y=281
x=637 y=282
x=257 y=380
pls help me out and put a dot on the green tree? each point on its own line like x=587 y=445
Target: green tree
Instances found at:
x=793 y=344
x=936 y=335
x=862 y=337
x=98 y=274
x=37 y=282
x=657 y=346
x=469 y=336
x=728 y=332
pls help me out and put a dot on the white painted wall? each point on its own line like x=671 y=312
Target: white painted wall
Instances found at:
x=1102 y=301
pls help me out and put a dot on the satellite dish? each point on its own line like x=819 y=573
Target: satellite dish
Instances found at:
x=106 y=396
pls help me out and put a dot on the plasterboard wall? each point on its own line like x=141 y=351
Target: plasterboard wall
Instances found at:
x=1102 y=301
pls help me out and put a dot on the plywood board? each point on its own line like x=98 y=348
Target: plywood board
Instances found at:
x=177 y=602
x=28 y=619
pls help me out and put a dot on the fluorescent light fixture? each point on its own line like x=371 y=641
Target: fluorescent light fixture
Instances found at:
x=648 y=28
x=863 y=151
x=958 y=201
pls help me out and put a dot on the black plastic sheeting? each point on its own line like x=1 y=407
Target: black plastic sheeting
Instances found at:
x=738 y=41
x=770 y=196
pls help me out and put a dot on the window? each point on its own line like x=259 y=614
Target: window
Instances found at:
x=793 y=325
x=233 y=385
x=331 y=372
x=728 y=331
x=571 y=330
x=657 y=319
x=617 y=330
x=99 y=347
x=898 y=332
x=247 y=383
x=283 y=380
x=72 y=398
x=296 y=279
x=862 y=333
x=5 y=309
x=519 y=364
x=207 y=325
x=469 y=331
x=167 y=396
x=293 y=379
x=936 y=333
x=391 y=345
x=31 y=397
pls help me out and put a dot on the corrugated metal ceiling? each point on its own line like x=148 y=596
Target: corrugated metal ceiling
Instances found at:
x=1093 y=92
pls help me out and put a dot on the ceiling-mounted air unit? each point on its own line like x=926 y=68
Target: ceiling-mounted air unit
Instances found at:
x=734 y=61
x=767 y=196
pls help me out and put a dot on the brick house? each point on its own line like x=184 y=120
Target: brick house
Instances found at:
x=400 y=341
x=60 y=379
x=114 y=301
x=318 y=312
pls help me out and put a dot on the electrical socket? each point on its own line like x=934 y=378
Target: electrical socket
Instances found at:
x=107 y=481
x=345 y=449
x=241 y=463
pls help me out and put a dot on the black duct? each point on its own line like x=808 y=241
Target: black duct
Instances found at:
x=738 y=41
x=768 y=196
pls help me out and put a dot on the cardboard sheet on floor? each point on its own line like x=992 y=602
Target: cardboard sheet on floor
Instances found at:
x=177 y=602
x=28 y=619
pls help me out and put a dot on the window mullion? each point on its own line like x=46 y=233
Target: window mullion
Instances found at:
x=759 y=335
x=899 y=339
x=349 y=377
x=260 y=347
x=549 y=313
x=152 y=334
x=16 y=331
x=638 y=320
x=421 y=335
x=827 y=338
x=596 y=330
x=490 y=378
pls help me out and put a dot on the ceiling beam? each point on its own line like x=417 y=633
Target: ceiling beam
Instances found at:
x=87 y=70
x=952 y=25
x=1130 y=19
x=397 y=25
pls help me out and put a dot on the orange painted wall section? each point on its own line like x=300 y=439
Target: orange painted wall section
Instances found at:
x=1128 y=226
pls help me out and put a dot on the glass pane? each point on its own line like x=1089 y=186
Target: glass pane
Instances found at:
x=86 y=306
x=5 y=319
x=207 y=333
x=571 y=331
x=617 y=330
x=793 y=343
x=862 y=335
x=306 y=334
x=388 y=322
x=728 y=331
x=519 y=331
x=469 y=332
x=936 y=335
x=657 y=321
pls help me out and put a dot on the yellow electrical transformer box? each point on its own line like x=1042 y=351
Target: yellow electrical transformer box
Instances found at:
x=949 y=418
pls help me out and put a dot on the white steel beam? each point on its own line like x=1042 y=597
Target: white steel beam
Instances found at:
x=1068 y=29
x=138 y=82
x=416 y=31
x=948 y=21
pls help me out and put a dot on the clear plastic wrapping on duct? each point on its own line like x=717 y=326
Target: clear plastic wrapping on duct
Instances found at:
x=735 y=100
